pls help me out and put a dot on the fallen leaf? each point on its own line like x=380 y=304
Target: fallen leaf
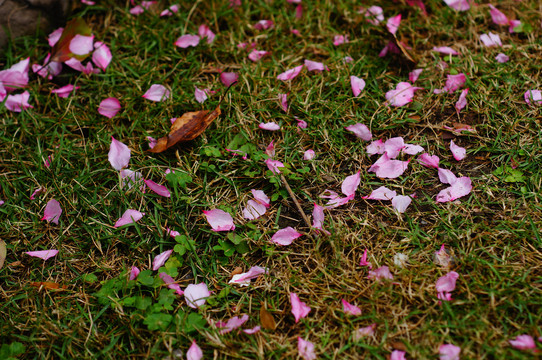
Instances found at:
x=61 y=51
x=187 y=127
x=235 y=271
x=48 y=285
x=3 y=253
x=266 y=319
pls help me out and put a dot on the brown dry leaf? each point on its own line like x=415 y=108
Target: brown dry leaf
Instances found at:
x=3 y=253
x=187 y=127
x=398 y=345
x=49 y=285
x=266 y=319
x=401 y=45
x=236 y=271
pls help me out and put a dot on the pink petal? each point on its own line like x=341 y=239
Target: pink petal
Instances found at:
x=54 y=36
x=388 y=169
x=233 y=323
x=172 y=233
x=160 y=259
x=101 y=56
x=414 y=75
x=264 y=25
x=308 y=155
x=533 y=95
x=16 y=76
x=285 y=236
x=173 y=9
x=350 y=184
x=244 y=278
x=136 y=10
x=340 y=39
x=229 y=78
x=109 y=107
x=458 y=152
x=254 y=330
x=361 y=131
x=449 y=352
x=523 y=342
x=158 y=189
x=446 y=176
x=170 y=283
x=398 y=354
x=290 y=74
x=393 y=24
x=447 y=282
x=157 y=93
x=363 y=261
x=365 y=331
x=461 y=187
x=334 y=199
x=350 y=309
x=318 y=218
x=305 y=349
x=513 y=25
x=274 y=165
x=130 y=216
x=462 y=101
x=430 y=161
x=18 y=102
x=49 y=69
x=261 y=198
x=134 y=272
x=52 y=211
x=376 y=147
x=283 y=98
x=401 y=202
x=302 y=124
x=357 y=85
x=299 y=308
x=382 y=272
x=200 y=95
x=459 y=5
x=204 y=31
x=129 y=178
x=194 y=352
x=82 y=45
x=374 y=15
x=253 y=210
x=446 y=50
x=36 y=192
x=394 y=146
x=502 y=58
x=270 y=126
x=119 y=154
x=64 y=91
x=347 y=59
x=401 y=95
x=43 y=254
x=314 y=66
x=412 y=149
x=152 y=142
x=219 y=220
x=196 y=295
x=299 y=11
x=453 y=83
x=442 y=257
x=270 y=149
x=498 y=17
x=77 y=65
x=257 y=55
x=382 y=193
x=490 y=40
x=187 y=40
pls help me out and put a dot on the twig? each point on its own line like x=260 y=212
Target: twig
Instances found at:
x=299 y=208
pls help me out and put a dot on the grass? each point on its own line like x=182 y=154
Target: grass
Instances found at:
x=493 y=234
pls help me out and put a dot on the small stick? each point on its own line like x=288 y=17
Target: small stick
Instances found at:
x=299 y=208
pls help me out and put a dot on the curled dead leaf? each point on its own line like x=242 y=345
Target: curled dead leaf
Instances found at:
x=266 y=319
x=48 y=285
x=187 y=127
x=3 y=253
x=236 y=271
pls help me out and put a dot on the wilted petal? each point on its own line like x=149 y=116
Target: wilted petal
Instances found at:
x=400 y=260
x=357 y=85
x=401 y=95
x=502 y=58
x=130 y=216
x=264 y=25
x=18 y=102
x=233 y=323
x=350 y=184
x=447 y=282
x=285 y=236
x=187 y=41
x=290 y=74
x=382 y=272
x=64 y=91
x=446 y=50
x=134 y=272
x=52 y=211
x=382 y=193
x=305 y=349
x=462 y=101
x=270 y=126
x=158 y=189
x=244 y=278
x=229 y=78
x=414 y=75
x=308 y=155
x=82 y=45
x=365 y=331
x=430 y=161
x=314 y=66
x=253 y=210
x=446 y=176
x=43 y=254
x=442 y=257
x=299 y=308
x=458 y=152
x=36 y=192
x=119 y=154
x=274 y=165
x=350 y=309
x=393 y=24
x=157 y=93
x=523 y=342
x=361 y=131
x=270 y=149
x=194 y=352
x=401 y=202
x=170 y=283
x=459 y=5
x=196 y=295
x=109 y=107
x=449 y=352
x=219 y=220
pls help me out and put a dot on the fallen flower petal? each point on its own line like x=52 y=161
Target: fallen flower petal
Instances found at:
x=388 y=169
x=129 y=178
x=490 y=40
x=350 y=184
x=374 y=15
x=77 y=65
x=502 y=58
x=459 y=5
x=283 y=98
x=340 y=39
x=364 y=331
x=205 y=32
x=170 y=282
x=285 y=236
x=36 y=192
x=394 y=146
x=382 y=272
x=534 y=96
x=274 y=165
x=173 y=9
x=461 y=187
x=497 y=16
x=357 y=85
x=350 y=309
x=119 y=154
x=364 y=262
x=430 y=161
x=264 y=25
x=442 y=257
x=270 y=126
x=400 y=260
x=257 y=55
x=18 y=102
x=157 y=93
x=361 y=131
x=160 y=259
x=318 y=218
x=453 y=83
x=523 y=342
x=382 y=193
x=401 y=202
x=414 y=75
x=376 y=147
x=308 y=155
x=196 y=295
x=254 y=330
x=52 y=211
x=270 y=149
x=458 y=152
x=109 y=107
x=447 y=282
x=43 y=254
x=462 y=101
x=446 y=176
x=305 y=349
x=244 y=278
x=253 y=210
x=393 y=24
x=187 y=41
x=54 y=36
x=65 y=91
x=134 y=272
x=137 y=10
x=261 y=198
x=299 y=308
x=81 y=45
x=412 y=149
x=398 y=354
x=194 y=352
x=446 y=50
x=101 y=57
x=233 y=323
x=200 y=95
x=130 y=216
x=401 y=95
x=219 y=220
x=314 y=66
x=449 y=352
x=229 y=78
x=290 y=74
x=158 y=189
